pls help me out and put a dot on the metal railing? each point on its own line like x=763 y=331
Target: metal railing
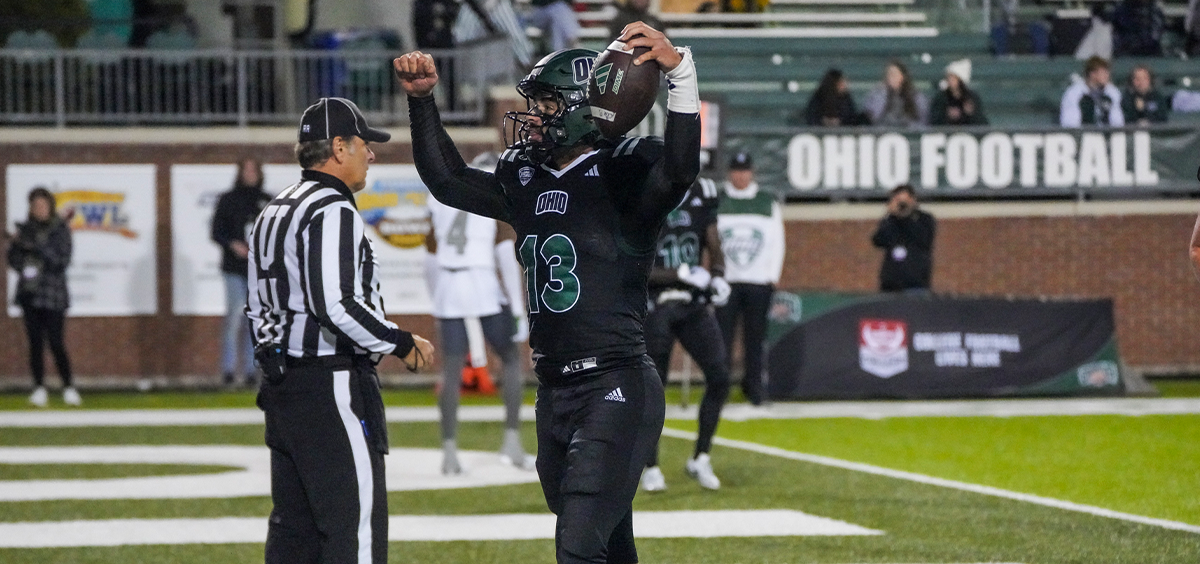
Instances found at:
x=202 y=87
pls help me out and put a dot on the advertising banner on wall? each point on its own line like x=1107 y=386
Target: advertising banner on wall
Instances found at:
x=198 y=287
x=393 y=205
x=843 y=346
x=111 y=212
x=975 y=161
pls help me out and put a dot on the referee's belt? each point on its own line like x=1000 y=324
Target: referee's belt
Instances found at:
x=334 y=361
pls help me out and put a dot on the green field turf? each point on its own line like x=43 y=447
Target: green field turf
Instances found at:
x=1177 y=387
x=1146 y=465
x=923 y=523
x=1143 y=465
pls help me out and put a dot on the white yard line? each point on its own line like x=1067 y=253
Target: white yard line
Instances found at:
x=734 y=412
x=519 y=526
x=407 y=469
x=940 y=482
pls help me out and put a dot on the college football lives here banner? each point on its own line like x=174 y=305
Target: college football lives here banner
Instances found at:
x=392 y=205
x=111 y=212
x=829 y=345
x=978 y=161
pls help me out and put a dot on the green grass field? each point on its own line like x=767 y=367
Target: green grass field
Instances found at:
x=1148 y=465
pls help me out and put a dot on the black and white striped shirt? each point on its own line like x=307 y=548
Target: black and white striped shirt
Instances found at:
x=313 y=276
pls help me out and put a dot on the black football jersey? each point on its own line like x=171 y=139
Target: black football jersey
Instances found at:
x=585 y=276
x=683 y=234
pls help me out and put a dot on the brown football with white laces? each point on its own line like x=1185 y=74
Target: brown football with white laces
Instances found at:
x=620 y=92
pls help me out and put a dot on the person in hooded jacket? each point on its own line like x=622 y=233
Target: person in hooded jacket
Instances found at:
x=40 y=253
x=231 y=222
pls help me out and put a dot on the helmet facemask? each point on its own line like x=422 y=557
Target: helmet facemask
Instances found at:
x=558 y=115
x=536 y=131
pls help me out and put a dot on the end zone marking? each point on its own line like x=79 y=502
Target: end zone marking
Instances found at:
x=940 y=482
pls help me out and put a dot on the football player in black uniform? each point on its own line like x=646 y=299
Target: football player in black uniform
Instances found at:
x=681 y=290
x=587 y=214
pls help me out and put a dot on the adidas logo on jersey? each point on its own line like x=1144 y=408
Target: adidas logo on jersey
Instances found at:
x=594 y=171
x=552 y=201
x=615 y=395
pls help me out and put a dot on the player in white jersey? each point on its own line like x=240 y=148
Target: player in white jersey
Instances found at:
x=473 y=305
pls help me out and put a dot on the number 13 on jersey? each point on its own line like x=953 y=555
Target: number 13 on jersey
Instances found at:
x=559 y=292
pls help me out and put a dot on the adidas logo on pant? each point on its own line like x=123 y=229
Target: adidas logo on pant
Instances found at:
x=615 y=395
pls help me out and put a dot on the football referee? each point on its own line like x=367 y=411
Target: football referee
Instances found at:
x=319 y=329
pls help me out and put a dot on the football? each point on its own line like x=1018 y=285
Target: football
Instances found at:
x=620 y=92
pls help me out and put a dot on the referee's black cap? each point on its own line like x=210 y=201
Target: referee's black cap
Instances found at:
x=337 y=117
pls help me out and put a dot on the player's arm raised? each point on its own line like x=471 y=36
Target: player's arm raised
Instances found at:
x=670 y=178
x=438 y=161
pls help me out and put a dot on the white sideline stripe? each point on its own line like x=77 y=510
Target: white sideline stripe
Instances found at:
x=940 y=482
x=735 y=412
x=958 y=408
x=517 y=526
x=361 y=458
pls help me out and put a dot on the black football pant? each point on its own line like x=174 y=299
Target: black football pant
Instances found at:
x=750 y=303
x=327 y=435
x=594 y=438
x=45 y=326
x=697 y=330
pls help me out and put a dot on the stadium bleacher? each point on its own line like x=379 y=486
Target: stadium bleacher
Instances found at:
x=765 y=81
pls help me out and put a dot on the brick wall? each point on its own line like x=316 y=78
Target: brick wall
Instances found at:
x=1138 y=260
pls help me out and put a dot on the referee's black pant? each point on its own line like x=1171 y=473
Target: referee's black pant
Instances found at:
x=594 y=437
x=327 y=435
x=697 y=330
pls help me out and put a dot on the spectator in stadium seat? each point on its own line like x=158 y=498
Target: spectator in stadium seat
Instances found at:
x=1138 y=28
x=895 y=101
x=557 y=20
x=906 y=236
x=40 y=253
x=832 y=105
x=631 y=11
x=232 y=219
x=1093 y=99
x=1142 y=103
x=956 y=103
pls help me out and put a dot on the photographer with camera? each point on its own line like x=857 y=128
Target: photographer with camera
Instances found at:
x=906 y=236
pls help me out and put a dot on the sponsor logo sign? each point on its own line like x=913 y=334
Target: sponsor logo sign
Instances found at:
x=953 y=349
x=883 y=347
x=1099 y=374
x=92 y=210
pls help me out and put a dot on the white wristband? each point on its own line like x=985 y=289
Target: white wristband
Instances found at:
x=683 y=91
